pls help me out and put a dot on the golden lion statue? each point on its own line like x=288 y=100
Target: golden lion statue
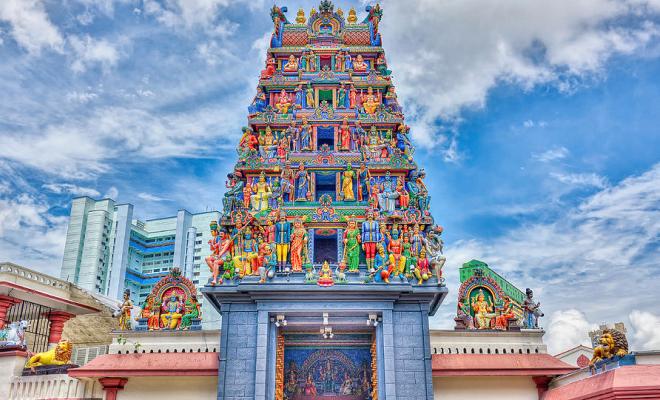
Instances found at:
x=612 y=343
x=58 y=355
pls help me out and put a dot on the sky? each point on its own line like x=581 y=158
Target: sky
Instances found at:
x=536 y=121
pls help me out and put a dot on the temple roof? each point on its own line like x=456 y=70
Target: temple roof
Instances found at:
x=149 y=364
x=498 y=365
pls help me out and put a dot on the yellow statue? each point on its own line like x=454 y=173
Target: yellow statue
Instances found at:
x=291 y=66
x=300 y=17
x=312 y=12
x=612 y=342
x=259 y=200
x=172 y=312
x=58 y=355
x=371 y=102
x=483 y=311
x=125 y=312
x=352 y=16
x=347 y=184
x=340 y=12
x=283 y=102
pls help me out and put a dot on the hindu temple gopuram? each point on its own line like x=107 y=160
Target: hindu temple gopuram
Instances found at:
x=326 y=227
x=324 y=265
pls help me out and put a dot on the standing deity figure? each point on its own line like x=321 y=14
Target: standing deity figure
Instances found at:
x=276 y=194
x=311 y=61
x=433 y=245
x=287 y=180
x=309 y=96
x=360 y=65
x=192 y=311
x=299 y=96
x=404 y=196
x=292 y=64
x=270 y=68
x=302 y=177
x=345 y=136
x=388 y=195
x=259 y=103
x=402 y=142
x=262 y=193
x=359 y=138
x=371 y=237
x=341 y=97
x=352 y=97
x=293 y=134
x=352 y=246
x=347 y=184
x=125 y=312
x=283 y=102
x=267 y=146
x=339 y=61
x=531 y=310
x=282 y=241
x=397 y=259
x=370 y=102
x=249 y=253
x=423 y=271
x=381 y=65
x=363 y=182
x=417 y=189
x=417 y=240
x=231 y=200
x=348 y=62
x=411 y=260
x=374 y=144
x=483 y=310
x=220 y=246
x=171 y=312
x=299 y=239
x=305 y=136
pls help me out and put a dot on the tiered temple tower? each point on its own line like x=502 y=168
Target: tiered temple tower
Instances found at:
x=326 y=261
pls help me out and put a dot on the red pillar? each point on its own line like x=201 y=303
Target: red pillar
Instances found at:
x=112 y=386
x=57 y=320
x=542 y=384
x=5 y=304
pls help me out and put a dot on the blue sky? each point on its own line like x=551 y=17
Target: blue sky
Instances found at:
x=536 y=121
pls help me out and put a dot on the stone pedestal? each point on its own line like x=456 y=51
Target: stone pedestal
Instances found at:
x=249 y=331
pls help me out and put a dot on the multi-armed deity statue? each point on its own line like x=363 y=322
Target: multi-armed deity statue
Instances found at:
x=326 y=172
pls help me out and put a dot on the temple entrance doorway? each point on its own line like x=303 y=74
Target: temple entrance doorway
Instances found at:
x=325 y=246
x=325 y=135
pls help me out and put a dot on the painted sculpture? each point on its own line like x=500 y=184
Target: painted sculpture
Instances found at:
x=13 y=335
x=611 y=343
x=58 y=355
x=125 y=312
x=532 y=310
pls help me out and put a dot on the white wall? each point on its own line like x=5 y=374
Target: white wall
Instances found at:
x=484 y=388
x=170 y=388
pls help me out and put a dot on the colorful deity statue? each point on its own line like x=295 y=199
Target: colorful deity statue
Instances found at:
x=125 y=312
x=388 y=195
x=363 y=182
x=360 y=65
x=433 y=245
x=531 y=310
x=325 y=275
x=248 y=143
x=283 y=103
x=339 y=61
x=422 y=272
x=267 y=146
x=463 y=318
x=506 y=315
x=311 y=61
x=231 y=200
x=370 y=102
x=171 y=312
x=397 y=260
x=300 y=16
x=305 y=136
x=249 y=253
x=341 y=97
x=291 y=65
x=417 y=240
x=403 y=195
x=419 y=195
x=220 y=246
x=309 y=97
x=270 y=68
x=276 y=194
x=293 y=133
x=299 y=239
x=483 y=310
x=406 y=245
x=266 y=262
x=352 y=16
x=282 y=241
x=287 y=180
x=352 y=246
x=348 y=62
x=381 y=65
x=302 y=188
x=345 y=136
x=371 y=237
x=352 y=97
x=259 y=103
x=347 y=191
x=299 y=94
x=192 y=311
x=150 y=311
x=381 y=273
x=262 y=193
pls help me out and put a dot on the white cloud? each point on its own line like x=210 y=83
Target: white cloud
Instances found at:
x=585 y=250
x=192 y=14
x=150 y=197
x=567 y=329
x=112 y=193
x=81 y=97
x=89 y=52
x=645 y=327
x=452 y=53
x=556 y=153
x=581 y=180
x=30 y=25
x=68 y=188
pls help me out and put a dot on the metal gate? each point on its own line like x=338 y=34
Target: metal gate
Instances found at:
x=36 y=334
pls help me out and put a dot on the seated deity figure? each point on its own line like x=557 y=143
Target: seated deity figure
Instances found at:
x=150 y=312
x=325 y=275
x=192 y=312
x=262 y=193
x=506 y=314
x=249 y=253
x=292 y=64
x=171 y=312
x=483 y=311
x=423 y=271
x=270 y=68
x=359 y=65
x=267 y=146
x=370 y=102
x=283 y=103
x=346 y=387
x=310 y=387
x=259 y=103
x=397 y=259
